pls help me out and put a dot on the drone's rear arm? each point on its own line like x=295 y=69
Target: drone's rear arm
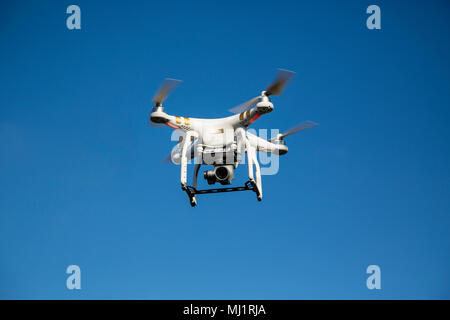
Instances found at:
x=263 y=145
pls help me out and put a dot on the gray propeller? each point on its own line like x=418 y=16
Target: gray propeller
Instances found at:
x=275 y=88
x=298 y=128
x=168 y=158
x=163 y=92
x=167 y=86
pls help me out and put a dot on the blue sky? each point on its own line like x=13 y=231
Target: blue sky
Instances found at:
x=82 y=180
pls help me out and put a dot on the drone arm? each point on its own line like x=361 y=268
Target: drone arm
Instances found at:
x=266 y=146
x=246 y=118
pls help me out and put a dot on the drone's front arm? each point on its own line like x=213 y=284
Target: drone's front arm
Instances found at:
x=246 y=118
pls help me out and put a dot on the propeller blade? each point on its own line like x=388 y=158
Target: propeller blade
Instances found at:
x=275 y=88
x=155 y=125
x=280 y=82
x=302 y=126
x=243 y=106
x=168 y=158
x=167 y=86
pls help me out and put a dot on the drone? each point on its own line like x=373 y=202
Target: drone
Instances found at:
x=224 y=142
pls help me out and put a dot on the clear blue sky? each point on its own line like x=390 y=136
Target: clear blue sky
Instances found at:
x=82 y=180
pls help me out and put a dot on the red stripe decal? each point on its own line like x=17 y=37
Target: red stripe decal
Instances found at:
x=172 y=126
x=255 y=117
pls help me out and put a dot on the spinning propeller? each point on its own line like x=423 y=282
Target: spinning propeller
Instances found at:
x=168 y=158
x=166 y=88
x=298 y=128
x=163 y=92
x=275 y=88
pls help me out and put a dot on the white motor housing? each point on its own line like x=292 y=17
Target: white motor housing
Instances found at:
x=264 y=107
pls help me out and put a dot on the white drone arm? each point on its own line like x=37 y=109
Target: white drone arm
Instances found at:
x=263 y=145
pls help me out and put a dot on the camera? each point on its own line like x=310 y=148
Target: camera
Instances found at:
x=221 y=173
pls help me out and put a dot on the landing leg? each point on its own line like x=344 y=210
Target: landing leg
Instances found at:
x=258 y=182
x=197 y=168
x=183 y=178
x=243 y=140
x=192 y=197
x=251 y=160
x=193 y=201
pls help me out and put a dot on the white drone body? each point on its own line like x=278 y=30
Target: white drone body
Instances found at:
x=223 y=142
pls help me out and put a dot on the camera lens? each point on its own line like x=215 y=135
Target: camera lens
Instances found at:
x=221 y=173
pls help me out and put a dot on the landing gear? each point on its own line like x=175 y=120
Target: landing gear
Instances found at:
x=256 y=189
x=191 y=191
x=254 y=172
x=192 y=199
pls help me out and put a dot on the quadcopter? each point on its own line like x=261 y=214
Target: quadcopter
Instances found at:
x=223 y=142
